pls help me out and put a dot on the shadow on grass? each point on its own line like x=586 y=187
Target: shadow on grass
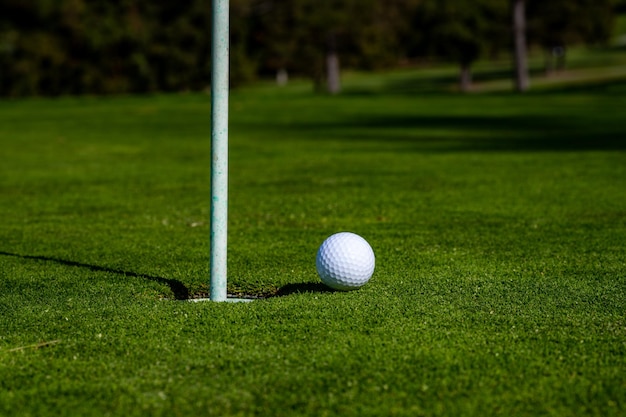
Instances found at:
x=178 y=288
x=302 y=288
x=584 y=116
x=451 y=133
x=181 y=292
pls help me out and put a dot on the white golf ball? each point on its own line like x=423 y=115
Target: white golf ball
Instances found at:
x=345 y=261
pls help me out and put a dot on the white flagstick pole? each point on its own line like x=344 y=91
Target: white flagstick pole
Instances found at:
x=219 y=148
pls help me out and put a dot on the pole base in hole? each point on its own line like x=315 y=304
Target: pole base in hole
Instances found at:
x=228 y=300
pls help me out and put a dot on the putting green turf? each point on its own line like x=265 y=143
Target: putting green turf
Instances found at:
x=498 y=222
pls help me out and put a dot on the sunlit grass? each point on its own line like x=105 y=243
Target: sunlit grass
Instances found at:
x=497 y=220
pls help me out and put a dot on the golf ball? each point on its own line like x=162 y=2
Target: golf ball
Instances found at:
x=345 y=261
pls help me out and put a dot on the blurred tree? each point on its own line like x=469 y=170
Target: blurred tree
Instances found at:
x=385 y=37
x=462 y=30
x=311 y=37
x=285 y=38
x=519 y=42
x=243 y=55
x=103 y=46
x=305 y=36
x=557 y=24
x=21 y=70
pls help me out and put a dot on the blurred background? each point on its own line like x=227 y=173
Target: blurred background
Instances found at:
x=61 y=47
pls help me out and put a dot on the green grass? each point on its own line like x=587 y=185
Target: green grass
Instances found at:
x=498 y=221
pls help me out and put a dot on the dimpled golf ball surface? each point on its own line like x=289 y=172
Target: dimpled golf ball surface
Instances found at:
x=345 y=261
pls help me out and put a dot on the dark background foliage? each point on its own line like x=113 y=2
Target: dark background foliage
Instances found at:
x=56 y=47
